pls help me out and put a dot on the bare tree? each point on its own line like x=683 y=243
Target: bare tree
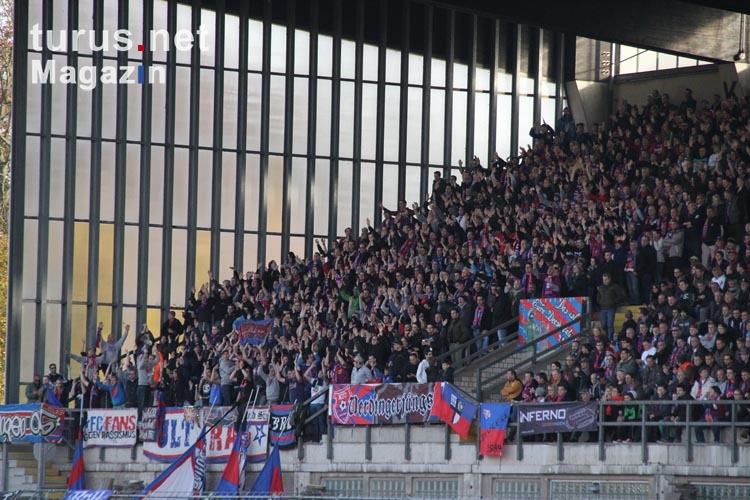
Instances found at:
x=6 y=101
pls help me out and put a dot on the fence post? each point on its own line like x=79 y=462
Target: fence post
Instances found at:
x=447 y=442
x=689 y=442
x=519 y=441
x=40 y=468
x=329 y=439
x=407 y=442
x=733 y=429
x=4 y=473
x=368 y=442
x=478 y=390
x=644 y=435
x=602 y=457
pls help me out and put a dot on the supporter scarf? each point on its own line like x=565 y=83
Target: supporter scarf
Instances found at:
x=630 y=262
x=478 y=314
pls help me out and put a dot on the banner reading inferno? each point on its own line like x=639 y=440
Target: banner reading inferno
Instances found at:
x=370 y=404
x=557 y=417
x=537 y=317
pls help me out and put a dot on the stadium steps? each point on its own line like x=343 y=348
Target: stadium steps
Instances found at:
x=22 y=471
x=466 y=378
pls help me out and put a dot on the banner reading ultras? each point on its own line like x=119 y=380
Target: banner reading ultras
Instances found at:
x=370 y=404
x=87 y=77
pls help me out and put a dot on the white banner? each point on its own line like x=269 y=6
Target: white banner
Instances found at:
x=111 y=428
x=180 y=434
x=89 y=495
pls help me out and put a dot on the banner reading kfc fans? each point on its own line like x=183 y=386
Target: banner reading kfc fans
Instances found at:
x=557 y=417
x=110 y=427
x=369 y=404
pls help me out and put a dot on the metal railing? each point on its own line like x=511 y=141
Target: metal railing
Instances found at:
x=480 y=353
x=534 y=354
x=320 y=494
x=641 y=426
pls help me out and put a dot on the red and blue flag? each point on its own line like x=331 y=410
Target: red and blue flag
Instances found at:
x=230 y=480
x=77 y=479
x=184 y=478
x=161 y=418
x=493 y=422
x=453 y=408
x=269 y=480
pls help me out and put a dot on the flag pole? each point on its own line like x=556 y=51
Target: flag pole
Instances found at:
x=143 y=493
x=243 y=423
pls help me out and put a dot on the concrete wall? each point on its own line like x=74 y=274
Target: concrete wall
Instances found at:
x=666 y=466
x=705 y=81
x=588 y=101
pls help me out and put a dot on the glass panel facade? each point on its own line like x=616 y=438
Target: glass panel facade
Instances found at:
x=635 y=60
x=136 y=227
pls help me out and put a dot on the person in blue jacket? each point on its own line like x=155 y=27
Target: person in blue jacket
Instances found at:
x=115 y=389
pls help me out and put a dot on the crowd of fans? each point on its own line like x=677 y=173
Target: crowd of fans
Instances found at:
x=650 y=208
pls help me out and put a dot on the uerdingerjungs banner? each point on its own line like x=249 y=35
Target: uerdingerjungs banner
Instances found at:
x=369 y=404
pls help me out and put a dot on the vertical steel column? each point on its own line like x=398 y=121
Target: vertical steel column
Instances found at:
x=218 y=139
x=42 y=250
x=265 y=121
x=95 y=196
x=357 y=146
x=286 y=213
x=493 y=91
x=380 y=119
x=193 y=157
x=368 y=442
x=312 y=128
x=560 y=73
x=538 y=34
x=403 y=114
x=170 y=107
x=239 y=203
x=333 y=178
x=424 y=175
x=449 y=59
x=18 y=199
x=145 y=160
x=514 y=107
x=71 y=124
x=121 y=151
x=407 y=441
x=470 y=95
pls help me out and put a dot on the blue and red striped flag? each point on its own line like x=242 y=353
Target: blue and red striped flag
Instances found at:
x=269 y=480
x=230 y=482
x=161 y=419
x=280 y=428
x=493 y=422
x=77 y=479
